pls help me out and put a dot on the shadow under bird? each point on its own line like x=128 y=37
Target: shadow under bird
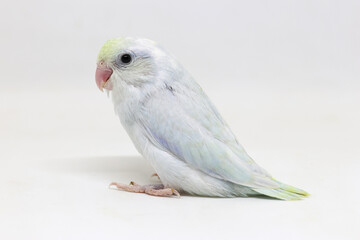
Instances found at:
x=174 y=125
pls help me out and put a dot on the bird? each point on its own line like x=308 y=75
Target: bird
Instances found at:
x=174 y=125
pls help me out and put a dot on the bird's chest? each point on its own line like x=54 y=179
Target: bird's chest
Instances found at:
x=128 y=112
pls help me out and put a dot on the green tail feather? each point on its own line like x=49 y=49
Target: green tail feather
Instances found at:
x=285 y=192
x=294 y=189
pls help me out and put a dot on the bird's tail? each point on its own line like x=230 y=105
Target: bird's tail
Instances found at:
x=284 y=192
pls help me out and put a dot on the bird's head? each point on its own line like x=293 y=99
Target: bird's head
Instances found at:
x=128 y=61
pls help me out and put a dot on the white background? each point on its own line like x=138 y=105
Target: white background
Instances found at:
x=284 y=74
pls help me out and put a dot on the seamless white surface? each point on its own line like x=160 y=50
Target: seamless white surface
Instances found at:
x=284 y=74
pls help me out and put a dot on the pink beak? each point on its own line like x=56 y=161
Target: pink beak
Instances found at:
x=102 y=75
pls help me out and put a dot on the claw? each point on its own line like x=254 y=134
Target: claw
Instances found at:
x=155 y=175
x=175 y=192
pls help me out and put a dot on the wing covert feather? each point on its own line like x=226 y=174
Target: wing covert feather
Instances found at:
x=184 y=123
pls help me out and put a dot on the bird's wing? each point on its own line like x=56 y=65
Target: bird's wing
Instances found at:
x=183 y=122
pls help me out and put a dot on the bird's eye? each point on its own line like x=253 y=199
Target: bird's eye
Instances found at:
x=125 y=58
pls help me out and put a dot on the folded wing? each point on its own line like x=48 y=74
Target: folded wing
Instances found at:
x=183 y=122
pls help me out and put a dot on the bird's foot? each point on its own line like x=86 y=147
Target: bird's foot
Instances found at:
x=151 y=189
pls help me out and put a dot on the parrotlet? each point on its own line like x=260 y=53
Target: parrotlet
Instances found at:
x=174 y=125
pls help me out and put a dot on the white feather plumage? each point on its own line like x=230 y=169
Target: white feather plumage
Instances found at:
x=174 y=125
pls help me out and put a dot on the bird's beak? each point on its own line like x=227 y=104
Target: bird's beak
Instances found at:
x=102 y=75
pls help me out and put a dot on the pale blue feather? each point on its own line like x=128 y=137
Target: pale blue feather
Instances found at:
x=195 y=133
